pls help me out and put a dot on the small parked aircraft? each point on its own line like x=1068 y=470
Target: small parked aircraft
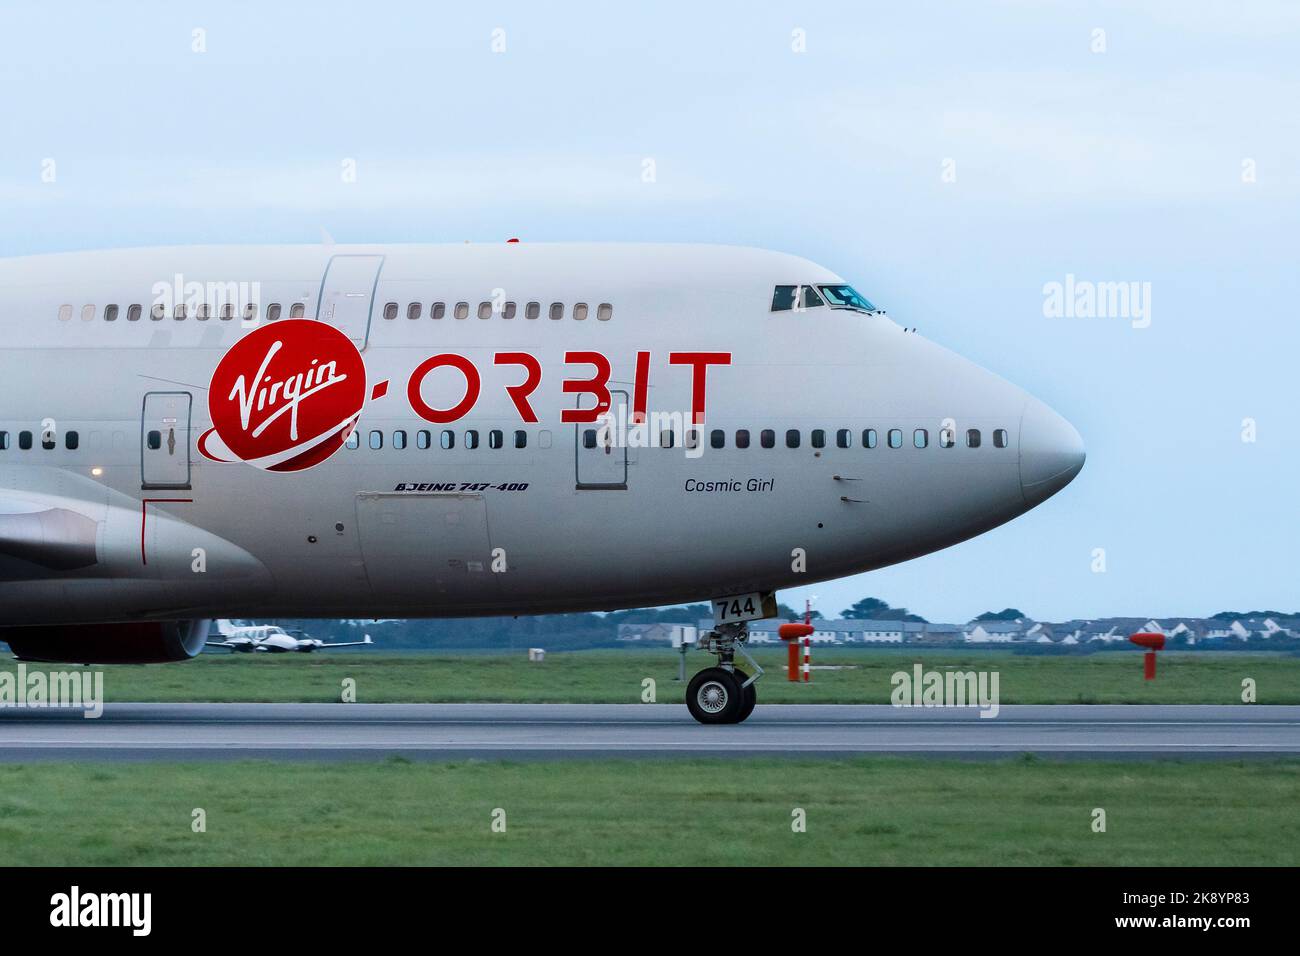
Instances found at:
x=271 y=638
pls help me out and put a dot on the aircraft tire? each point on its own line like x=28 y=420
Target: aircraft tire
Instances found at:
x=714 y=696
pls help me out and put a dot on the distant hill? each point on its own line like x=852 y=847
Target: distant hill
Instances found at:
x=1242 y=615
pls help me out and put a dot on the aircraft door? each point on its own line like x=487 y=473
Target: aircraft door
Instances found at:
x=601 y=447
x=347 y=295
x=165 y=440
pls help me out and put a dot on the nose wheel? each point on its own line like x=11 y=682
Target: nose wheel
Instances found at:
x=714 y=696
x=724 y=694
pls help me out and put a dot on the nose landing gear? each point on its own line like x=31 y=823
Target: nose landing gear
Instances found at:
x=724 y=694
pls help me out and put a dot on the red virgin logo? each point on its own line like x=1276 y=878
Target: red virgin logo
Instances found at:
x=285 y=397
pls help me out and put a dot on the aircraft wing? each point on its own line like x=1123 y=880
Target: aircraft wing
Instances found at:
x=349 y=643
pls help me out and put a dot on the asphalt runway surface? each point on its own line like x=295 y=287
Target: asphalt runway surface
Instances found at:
x=541 y=731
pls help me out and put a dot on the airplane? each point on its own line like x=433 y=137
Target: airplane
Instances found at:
x=271 y=638
x=475 y=429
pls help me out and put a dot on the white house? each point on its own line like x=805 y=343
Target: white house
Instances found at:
x=995 y=632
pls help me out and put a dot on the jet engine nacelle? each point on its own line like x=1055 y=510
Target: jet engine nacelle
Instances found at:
x=132 y=642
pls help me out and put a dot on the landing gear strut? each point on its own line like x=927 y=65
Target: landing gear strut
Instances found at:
x=724 y=694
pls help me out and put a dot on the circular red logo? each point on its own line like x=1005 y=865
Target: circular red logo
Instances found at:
x=285 y=397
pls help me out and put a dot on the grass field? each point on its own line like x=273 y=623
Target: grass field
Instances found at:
x=682 y=812
x=616 y=677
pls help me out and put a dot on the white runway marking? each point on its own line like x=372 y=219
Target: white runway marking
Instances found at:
x=522 y=731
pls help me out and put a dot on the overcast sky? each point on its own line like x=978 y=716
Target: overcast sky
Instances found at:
x=1129 y=164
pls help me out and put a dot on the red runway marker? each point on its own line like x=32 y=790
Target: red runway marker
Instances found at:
x=1152 y=642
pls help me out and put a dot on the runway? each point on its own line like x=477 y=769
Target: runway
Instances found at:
x=540 y=731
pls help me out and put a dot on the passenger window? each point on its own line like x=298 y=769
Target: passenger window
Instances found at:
x=509 y=311
x=273 y=311
x=895 y=438
x=972 y=438
x=718 y=438
x=354 y=440
x=422 y=438
x=447 y=440
x=205 y=312
x=580 y=311
x=471 y=438
x=390 y=311
x=792 y=438
x=819 y=438
x=250 y=312
x=999 y=438
x=376 y=439
x=157 y=313
x=604 y=312
x=521 y=438
x=742 y=438
x=557 y=310
x=4 y=441
x=462 y=310
x=399 y=439
x=227 y=312
x=947 y=438
x=532 y=310
x=153 y=439
x=87 y=313
x=868 y=438
x=544 y=438
x=133 y=314
x=767 y=438
x=110 y=313
x=414 y=310
x=71 y=441
x=920 y=438
x=296 y=311
x=666 y=438
x=485 y=310
x=25 y=440
x=180 y=313
x=496 y=438
x=437 y=310
x=691 y=438
x=589 y=438
x=47 y=440
x=65 y=313
x=843 y=438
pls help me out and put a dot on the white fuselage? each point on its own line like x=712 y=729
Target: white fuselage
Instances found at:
x=130 y=521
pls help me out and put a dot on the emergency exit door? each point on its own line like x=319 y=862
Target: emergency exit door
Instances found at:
x=165 y=440
x=347 y=295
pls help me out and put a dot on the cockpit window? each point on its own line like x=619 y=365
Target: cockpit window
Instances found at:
x=846 y=297
x=785 y=296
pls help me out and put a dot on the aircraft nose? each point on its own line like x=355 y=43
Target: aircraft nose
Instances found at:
x=1051 y=452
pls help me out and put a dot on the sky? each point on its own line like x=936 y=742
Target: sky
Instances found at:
x=950 y=159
